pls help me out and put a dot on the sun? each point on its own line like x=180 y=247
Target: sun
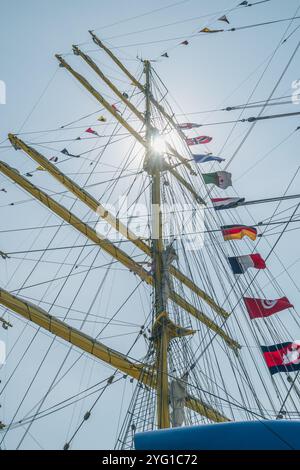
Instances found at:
x=159 y=144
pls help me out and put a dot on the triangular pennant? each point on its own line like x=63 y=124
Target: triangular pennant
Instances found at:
x=91 y=131
x=66 y=152
x=224 y=18
x=208 y=30
x=4 y=256
x=115 y=108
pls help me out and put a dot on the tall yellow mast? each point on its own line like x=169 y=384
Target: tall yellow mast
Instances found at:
x=163 y=329
x=153 y=164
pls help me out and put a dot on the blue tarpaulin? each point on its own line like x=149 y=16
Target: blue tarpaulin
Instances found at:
x=251 y=435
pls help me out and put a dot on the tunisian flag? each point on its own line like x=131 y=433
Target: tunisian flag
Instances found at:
x=258 y=308
x=284 y=357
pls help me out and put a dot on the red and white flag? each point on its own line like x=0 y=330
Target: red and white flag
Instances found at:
x=221 y=203
x=115 y=108
x=201 y=139
x=188 y=125
x=259 y=308
x=283 y=357
x=91 y=131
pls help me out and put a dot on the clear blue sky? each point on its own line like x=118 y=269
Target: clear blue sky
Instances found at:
x=213 y=71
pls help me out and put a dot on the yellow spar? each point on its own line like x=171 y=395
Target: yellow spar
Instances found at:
x=125 y=100
x=116 y=223
x=110 y=248
x=125 y=124
x=141 y=372
x=135 y=81
x=76 y=337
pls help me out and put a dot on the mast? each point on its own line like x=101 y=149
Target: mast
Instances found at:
x=155 y=374
x=108 y=247
x=161 y=338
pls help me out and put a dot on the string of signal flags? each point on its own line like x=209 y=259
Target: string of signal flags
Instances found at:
x=283 y=357
x=224 y=19
x=204 y=30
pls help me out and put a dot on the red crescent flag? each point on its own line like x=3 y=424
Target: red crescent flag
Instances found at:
x=259 y=308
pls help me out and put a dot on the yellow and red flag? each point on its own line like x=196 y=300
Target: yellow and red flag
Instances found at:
x=237 y=232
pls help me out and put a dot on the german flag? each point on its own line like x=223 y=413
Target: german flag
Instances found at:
x=237 y=232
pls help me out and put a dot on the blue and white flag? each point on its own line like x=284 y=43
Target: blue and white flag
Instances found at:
x=207 y=158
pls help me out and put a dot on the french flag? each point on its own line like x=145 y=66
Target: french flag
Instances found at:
x=240 y=264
